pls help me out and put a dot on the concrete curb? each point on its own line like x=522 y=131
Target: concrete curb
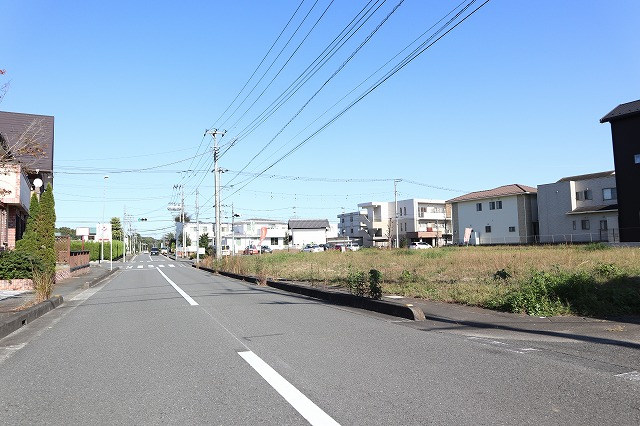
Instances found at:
x=96 y=280
x=26 y=316
x=336 y=297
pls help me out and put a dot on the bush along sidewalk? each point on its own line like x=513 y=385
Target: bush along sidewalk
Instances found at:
x=357 y=283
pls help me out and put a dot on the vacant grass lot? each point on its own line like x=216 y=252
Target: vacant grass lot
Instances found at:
x=591 y=280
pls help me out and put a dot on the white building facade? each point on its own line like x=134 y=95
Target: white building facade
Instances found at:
x=309 y=231
x=579 y=209
x=193 y=232
x=249 y=232
x=504 y=215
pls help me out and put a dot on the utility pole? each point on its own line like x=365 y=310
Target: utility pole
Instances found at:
x=197 y=231
x=122 y=235
x=216 y=177
x=184 y=242
x=395 y=196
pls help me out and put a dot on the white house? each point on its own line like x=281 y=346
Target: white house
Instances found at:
x=249 y=232
x=309 y=231
x=193 y=233
x=504 y=215
x=579 y=208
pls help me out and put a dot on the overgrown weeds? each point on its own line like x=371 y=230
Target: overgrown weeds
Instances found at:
x=43 y=282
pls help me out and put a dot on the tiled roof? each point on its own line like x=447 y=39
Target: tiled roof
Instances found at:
x=621 y=111
x=501 y=191
x=308 y=223
x=588 y=176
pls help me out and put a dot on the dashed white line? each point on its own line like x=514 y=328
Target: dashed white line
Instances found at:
x=172 y=266
x=139 y=267
x=632 y=375
x=303 y=405
x=178 y=289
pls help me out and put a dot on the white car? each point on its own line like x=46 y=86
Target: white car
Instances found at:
x=312 y=248
x=419 y=245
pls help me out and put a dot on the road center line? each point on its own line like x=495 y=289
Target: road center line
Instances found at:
x=303 y=405
x=178 y=289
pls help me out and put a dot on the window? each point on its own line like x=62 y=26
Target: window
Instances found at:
x=350 y=218
x=603 y=225
x=492 y=205
x=512 y=229
x=585 y=224
x=351 y=230
x=487 y=229
x=401 y=227
x=342 y=220
x=588 y=195
x=579 y=196
x=400 y=213
x=405 y=211
x=274 y=241
x=574 y=225
x=636 y=158
x=499 y=205
x=609 y=194
x=478 y=207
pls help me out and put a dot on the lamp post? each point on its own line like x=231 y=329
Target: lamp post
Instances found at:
x=104 y=202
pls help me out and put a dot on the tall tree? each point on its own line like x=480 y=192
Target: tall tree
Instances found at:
x=46 y=224
x=204 y=240
x=29 y=242
x=116 y=228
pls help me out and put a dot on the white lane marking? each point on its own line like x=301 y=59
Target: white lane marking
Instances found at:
x=150 y=266
x=178 y=289
x=172 y=266
x=129 y=267
x=139 y=266
x=7 y=351
x=632 y=375
x=162 y=266
x=303 y=405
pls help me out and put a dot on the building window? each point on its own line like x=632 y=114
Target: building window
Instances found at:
x=588 y=195
x=487 y=229
x=342 y=220
x=274 y=241
x=585 y=224
x=579 y=196
x=400 y=213
x=499 y=205
x=351 y=230
x=492 y=205
x=478 y=207
x=603 y=225
x=512 y=229
x=405 y=211
x=350 y=218
x=636 y=158
x=574 y=225
x=609 y=194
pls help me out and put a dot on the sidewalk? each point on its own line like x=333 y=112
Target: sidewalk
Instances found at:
x=10 y=308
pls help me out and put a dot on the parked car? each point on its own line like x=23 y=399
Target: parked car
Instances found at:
x=265 y=249
x=251 y=250
x=312 y=248
x=155 y=251
x=353 y=247
x=419 y=245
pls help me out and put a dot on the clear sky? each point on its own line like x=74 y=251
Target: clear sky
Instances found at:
x=511 y=95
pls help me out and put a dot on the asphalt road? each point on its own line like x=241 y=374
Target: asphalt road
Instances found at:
x=161 y=342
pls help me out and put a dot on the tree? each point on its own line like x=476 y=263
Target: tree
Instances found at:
x=186 y=238
x=170 y=239
x=204 y=240
x=29 y=241
x=46 y=224
x=116 y=228
x=65 y=231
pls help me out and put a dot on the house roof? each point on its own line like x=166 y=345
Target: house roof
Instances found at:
x=14 y=125
x=501 y=191
x=622 y=111
x=308 y=223
x=588 y=176
x=595 y=209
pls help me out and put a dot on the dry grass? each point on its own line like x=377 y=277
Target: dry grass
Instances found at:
x=453 y=274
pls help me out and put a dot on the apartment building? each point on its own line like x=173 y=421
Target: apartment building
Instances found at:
x=417 y=219
x=579 y=209
x=193 y=232
x=625 y=135
x=504 y=215
x=250 y=232
x=352 y=225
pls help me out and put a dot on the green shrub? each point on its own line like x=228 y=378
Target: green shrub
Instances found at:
x=408 y=277
x=14 y=265
x=606 y=270
x=596 y=246
x=356 y=281
x=375 y=284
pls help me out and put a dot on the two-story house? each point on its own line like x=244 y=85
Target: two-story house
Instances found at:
x=504 y=215
x=579 y=209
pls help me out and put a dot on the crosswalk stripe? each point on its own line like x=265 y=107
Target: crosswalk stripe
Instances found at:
x=162 y=266
x=172 y=266
x=150 y=266
x=139 y=266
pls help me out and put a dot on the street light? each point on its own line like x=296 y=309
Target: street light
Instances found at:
x=104 y=202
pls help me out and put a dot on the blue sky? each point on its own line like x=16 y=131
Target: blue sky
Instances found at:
x=512 y=95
